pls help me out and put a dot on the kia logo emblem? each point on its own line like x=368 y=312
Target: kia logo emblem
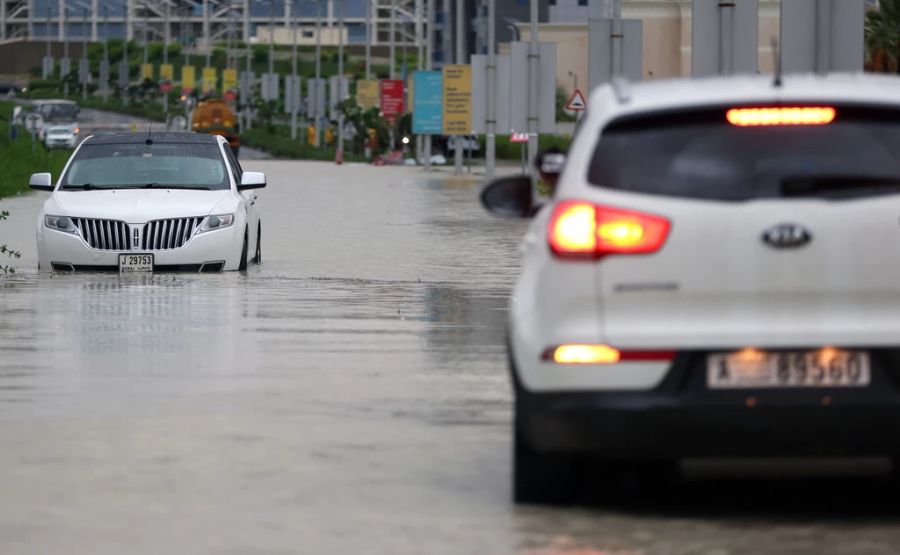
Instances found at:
x=786 y=236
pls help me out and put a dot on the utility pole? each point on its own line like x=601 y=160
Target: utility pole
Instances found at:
x=617 y=39
x=124 y=65
x=295 y=83
x=272 y=38
x=49 y=52
x=429 y=54
x=460 y=59
x=340 y=81
x=491 y=112
x=420 y=143
x=248 y=119
x=391 y=42
x=166 y=38
x=533 y=85
x=146 y=36
x=318 y=87
x=64 y=17
x=369 y=38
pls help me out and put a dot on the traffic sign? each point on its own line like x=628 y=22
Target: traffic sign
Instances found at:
x=518 y=137
x=165 y=86
x=576 y=103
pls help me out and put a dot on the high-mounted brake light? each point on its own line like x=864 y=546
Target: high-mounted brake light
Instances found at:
x=575 y=353
x=580 y=229
x=781 y=115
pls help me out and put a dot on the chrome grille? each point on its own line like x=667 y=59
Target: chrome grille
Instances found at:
x=169 y=234
x=107 y=235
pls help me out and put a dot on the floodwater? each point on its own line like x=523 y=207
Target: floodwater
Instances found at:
x=348 y=396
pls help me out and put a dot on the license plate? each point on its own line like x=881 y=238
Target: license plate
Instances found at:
x=821 y=368
x=132 y=263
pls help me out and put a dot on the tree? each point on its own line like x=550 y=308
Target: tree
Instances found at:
x=883 y=37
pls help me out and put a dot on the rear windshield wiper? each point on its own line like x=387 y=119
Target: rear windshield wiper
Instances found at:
x=839 y=186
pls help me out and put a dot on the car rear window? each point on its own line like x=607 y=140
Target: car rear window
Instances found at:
x=699 y=154
x=122 y=166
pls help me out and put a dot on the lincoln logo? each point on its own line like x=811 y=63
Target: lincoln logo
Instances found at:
x=786 y=236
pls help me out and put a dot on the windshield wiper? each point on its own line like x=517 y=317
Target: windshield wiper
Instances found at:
x=83 y=186
x=839 y=186
x=160 y=186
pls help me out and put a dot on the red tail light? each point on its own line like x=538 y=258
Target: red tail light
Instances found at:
x=580 y=229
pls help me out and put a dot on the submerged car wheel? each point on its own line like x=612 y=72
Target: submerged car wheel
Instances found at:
x=258 y=258
x=243 y=264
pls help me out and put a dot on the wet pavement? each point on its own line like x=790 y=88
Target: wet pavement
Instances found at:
x=347 y=396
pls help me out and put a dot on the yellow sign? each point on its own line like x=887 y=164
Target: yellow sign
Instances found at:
x=188 y=78
x=146 y=72
x=167 y=72
x=457 y=100
x=229 y=79
x=209 y=79
x=367 y=94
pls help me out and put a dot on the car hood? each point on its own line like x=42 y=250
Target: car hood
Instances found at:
x=141 y=205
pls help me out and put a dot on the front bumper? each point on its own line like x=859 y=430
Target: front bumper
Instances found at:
x=682 y=418
x=68 y=251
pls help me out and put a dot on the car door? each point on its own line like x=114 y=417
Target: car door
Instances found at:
x=250 y=198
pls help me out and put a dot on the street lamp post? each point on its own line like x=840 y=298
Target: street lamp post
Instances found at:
x=318 y=88
x=340 y=80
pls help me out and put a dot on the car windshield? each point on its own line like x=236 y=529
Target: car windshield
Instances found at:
x=58 y=112
x=701 y=155
x=132 y=166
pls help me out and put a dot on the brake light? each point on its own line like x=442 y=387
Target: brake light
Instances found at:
x=580 y=229
x=782 y=115
x=602 y=354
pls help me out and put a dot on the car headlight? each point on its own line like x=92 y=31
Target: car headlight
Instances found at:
x=60 y=223
x=212 y=223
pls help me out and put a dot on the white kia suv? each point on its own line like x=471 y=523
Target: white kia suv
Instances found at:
x=715 y=276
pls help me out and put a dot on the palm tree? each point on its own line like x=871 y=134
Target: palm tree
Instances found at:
x=883 y=37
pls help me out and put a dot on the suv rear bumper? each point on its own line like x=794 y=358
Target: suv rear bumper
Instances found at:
x=682 y=418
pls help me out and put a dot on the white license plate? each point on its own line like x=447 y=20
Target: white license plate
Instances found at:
x=821 y=368
x=131 y=263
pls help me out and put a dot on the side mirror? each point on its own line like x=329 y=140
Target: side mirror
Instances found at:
x=40 y=182
x=252 y=180
x=511 y=197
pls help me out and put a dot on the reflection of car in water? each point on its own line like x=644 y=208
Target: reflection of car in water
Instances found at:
x=214 y=117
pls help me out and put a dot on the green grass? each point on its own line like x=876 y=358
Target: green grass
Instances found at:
x=18 y=159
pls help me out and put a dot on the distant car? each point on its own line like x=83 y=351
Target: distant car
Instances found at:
x=10 y=89
x=55 y=112
x=715 y=276
x=61 y=136
x=134 y=202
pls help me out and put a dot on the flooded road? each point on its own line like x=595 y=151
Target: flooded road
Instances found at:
x=347 y=396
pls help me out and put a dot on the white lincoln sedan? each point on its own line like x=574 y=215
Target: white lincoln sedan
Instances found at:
x=150 y=202
x=715 y=276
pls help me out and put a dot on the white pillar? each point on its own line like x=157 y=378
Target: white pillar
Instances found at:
x=460 y=59
x=94 y=16
x=247 y=24
x=206 y=40
x=61 y=19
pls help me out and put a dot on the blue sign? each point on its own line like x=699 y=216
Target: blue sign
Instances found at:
x=428 y=103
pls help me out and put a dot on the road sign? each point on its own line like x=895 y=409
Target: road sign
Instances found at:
x=428 y=110
x=576 y=103
x=146 y=72
x=229 y=79
x=165 y=86
x=518 y=89
x=480 y=97
x=518 y=138
x=725 y=37
x=47 y=64
x=209 y=79
x=292 y=94
x=167 y=72
x=822 y=36
x=601 y=51
x=457 y=99
x=367 y=94
x=391 y=99
x=338 y=91
x=188 y=79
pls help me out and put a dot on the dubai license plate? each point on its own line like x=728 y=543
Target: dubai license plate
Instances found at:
x=132 y=263
x=752 y=368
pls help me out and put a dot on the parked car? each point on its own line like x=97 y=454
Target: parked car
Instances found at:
x=715 y=276
x=55 y=112
x=150 y=202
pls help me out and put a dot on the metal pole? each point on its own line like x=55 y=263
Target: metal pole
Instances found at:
x=145 y=35
x=340 y=80
x=420 y=142
x=533 y=84
x=206 y=38
x=166 y=38
x=49 y=24
x=369 y=39
x=64 y=17
x=616 y=39
x=125 y=54
x=726 y=44
x=490 y=153
x=84 y=43
x=94 y=13
x=272 y=38
x=823 y=36
x=105 y=84
x=317 y=85
x=247 y=24
x=3 y=19
x=391 y=41
x=460 y=55
x=295 y=83
x=248 y=119
x=429 y=54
